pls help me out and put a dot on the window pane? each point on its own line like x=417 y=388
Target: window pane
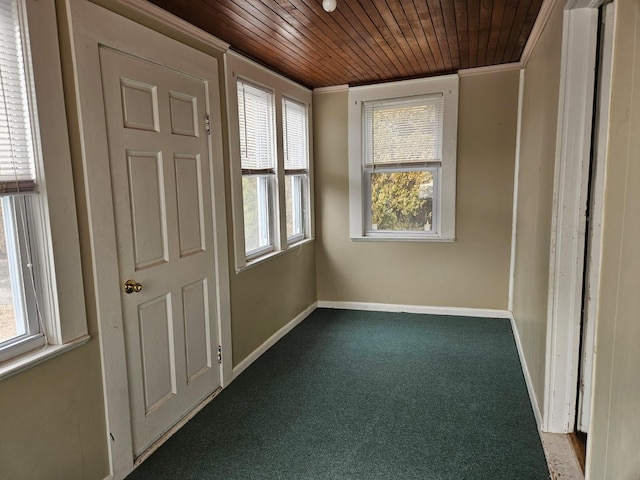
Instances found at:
x=255 y=199
x=10 y=325
x=294 y=199
x=403 y=201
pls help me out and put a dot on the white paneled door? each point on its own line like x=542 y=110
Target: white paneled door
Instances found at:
x=158 y=135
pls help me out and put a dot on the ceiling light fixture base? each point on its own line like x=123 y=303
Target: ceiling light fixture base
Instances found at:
x=329 y=5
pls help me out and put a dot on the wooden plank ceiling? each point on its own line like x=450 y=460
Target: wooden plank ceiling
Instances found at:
x=366 y=41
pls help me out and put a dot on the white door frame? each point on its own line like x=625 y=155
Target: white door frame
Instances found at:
x=594 y=235
x=92 y=26
x=573 y=146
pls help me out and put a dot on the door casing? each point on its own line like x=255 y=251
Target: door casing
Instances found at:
x=91 y=26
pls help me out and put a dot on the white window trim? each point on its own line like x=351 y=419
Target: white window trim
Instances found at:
x=237 y=66
x=66 y=324
x=448 y=86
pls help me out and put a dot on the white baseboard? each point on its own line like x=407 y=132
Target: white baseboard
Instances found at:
x=238 y=369
x=527 y=375
x=390 y=307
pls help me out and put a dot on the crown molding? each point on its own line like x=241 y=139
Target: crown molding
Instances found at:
x=490 y=69
x=153 y=12
x=332 y=89
x=536 y=31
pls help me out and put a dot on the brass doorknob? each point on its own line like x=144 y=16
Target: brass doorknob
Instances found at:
x=131 y=286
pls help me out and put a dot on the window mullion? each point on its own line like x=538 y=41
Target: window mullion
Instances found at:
x=281 y=204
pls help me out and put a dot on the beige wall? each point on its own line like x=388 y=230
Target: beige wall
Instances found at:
x=535 y=194
x=52 y=420
x=266 y=297
x=471 y=272
x=615 y=429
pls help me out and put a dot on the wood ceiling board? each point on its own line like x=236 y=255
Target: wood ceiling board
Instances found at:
x=486 y=11
x=396 y=30
x=292 y=59
x=506 y=28
x=497 y=14
x=350 y=27
x=463 y=31
x=365 y=41
x=355 y=13
x=433 y=15
x=449 y=18
x=473 y=23
x=421 y=36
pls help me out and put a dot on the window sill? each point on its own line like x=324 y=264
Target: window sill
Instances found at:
x=259 y=260
x=37 y=356
x=404 y=239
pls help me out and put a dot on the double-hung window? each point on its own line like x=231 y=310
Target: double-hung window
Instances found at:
x=296 y=166
x=258 y=160
x=31 y=301
x=402 y=141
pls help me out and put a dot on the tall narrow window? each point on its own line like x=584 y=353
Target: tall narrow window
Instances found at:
x=257 y=154
x=296 y=165
x=21 y=327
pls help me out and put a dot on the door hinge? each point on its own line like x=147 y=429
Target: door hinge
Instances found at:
x=220 y=354
x=207 y=123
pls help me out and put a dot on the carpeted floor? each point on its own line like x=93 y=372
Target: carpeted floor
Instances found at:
x=368 y=395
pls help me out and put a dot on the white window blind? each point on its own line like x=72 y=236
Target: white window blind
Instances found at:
x=295 y=135
x=257 y=139
x=403 y=132
x=17 y=165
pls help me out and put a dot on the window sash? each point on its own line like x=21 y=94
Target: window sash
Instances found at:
x=295 y=135
x=16 y=212
x=256 y=118
x=434 y=196
x=261 y=222
x=17 y=157
x=403 y=130
x=296 y=194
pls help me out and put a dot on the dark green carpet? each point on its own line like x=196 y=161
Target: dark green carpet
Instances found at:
x=368 y=395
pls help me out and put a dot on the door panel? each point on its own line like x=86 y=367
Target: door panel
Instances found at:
x=160 y=175
x=184 y=114
x=148 y=218
x=156 y=341
x=194 y=300
x=139 y=105
x=189 y=204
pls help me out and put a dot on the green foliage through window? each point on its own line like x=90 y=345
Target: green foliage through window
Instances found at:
x=402 y=201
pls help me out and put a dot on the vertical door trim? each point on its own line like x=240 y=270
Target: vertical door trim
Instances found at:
x=573 y=145
x=91 y=26
x=597 y=212
x=516 y=176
